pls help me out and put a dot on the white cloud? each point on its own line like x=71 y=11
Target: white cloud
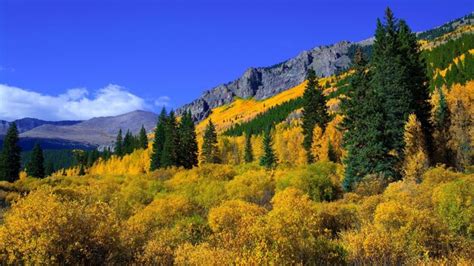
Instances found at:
x=75 y=104
x=163 y=101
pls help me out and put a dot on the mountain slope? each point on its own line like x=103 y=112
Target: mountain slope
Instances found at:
x=264 y=82
x=26 y=124
x=96 y=131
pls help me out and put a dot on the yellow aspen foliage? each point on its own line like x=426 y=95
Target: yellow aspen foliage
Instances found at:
x=255 y=186
x=416 y=159
x=288 y=144
x=44 y=228
x=138 y=162
x=327 y=145
x=461 y=106
x=231 y=149
x=203 y=254
x=231 y=223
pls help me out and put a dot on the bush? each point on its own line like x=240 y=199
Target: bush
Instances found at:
x=44 y=228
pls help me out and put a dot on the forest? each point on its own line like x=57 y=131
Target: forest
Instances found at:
x=373 y=166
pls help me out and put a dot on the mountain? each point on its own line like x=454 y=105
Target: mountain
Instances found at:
x=264 y=82
x=26 y=124
x=100 y=131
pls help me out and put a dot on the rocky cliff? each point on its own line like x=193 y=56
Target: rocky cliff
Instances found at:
x=264 y=82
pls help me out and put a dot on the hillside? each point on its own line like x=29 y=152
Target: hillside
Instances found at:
x=100 y=131
x=373 y=165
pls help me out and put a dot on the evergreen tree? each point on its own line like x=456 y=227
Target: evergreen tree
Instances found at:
x=248 y=157
x=417 y=82
x=188 y=147
x=442 y=123
x=169 y=156
x=35 y=167
x=143 y=139
x=10 y=158
x=209 y=148
x=268 y=159
x=119 y=150
x=363 y=121
x=314 y=112
x=128 y=143
x=159 y=140
x=49 y=169
x=82 y=170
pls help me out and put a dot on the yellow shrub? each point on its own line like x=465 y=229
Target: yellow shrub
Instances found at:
x=42 y=228
x=255 y=186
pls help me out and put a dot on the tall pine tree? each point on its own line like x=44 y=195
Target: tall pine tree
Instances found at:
x=10 y=159
x=159 y=141
x=35 y=167
x=188 y=148
x=128 y=143
x=209 y=148
x=314 y=112
x=248 y=153
x=363 y=122
x=142 y=139
x=119 y=150
x=417 y=82
x=169 y=155
x=268 y=159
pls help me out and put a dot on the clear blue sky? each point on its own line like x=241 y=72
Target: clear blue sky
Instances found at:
x=178 y=48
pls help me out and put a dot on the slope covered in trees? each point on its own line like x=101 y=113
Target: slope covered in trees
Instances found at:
x=373 y=193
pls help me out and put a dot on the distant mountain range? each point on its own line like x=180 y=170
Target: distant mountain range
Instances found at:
x=26 y=124
x=96 y=132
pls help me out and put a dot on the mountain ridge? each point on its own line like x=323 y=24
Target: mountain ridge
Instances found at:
x=263 y=82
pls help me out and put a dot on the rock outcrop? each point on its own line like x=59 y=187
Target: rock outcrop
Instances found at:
x=264 y=82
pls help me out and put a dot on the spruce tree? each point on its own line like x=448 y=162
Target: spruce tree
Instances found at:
x=49 y=168
x=81 y=170
x=314 y=112
x=417 y=82
x=10 y=159
x=169 y=156
x=128 y=143
x=363 y=122
x=392 y=86
x=143 y=139
x=119 y=150
x=209 y=148
x=35 y=167
x=188 y=147
x=248 y=156
x=268 y=159
x=159 y=140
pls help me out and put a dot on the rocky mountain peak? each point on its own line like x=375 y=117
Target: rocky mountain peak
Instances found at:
x=264 y=82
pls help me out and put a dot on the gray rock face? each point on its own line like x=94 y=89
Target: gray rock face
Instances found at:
x=265 y=82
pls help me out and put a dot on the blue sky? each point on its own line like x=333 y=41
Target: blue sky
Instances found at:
x=144 y=53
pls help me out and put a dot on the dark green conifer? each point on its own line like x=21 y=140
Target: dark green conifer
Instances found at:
x=248 y=156
x=10 y=159
x=314 y=112
x=119 y=149
x=35 y=167
x=143 y=139
x=159 y=140
x=188 y=147
x=268 y=159
x=209 y=148
x=128 y=143
x=169 y=156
